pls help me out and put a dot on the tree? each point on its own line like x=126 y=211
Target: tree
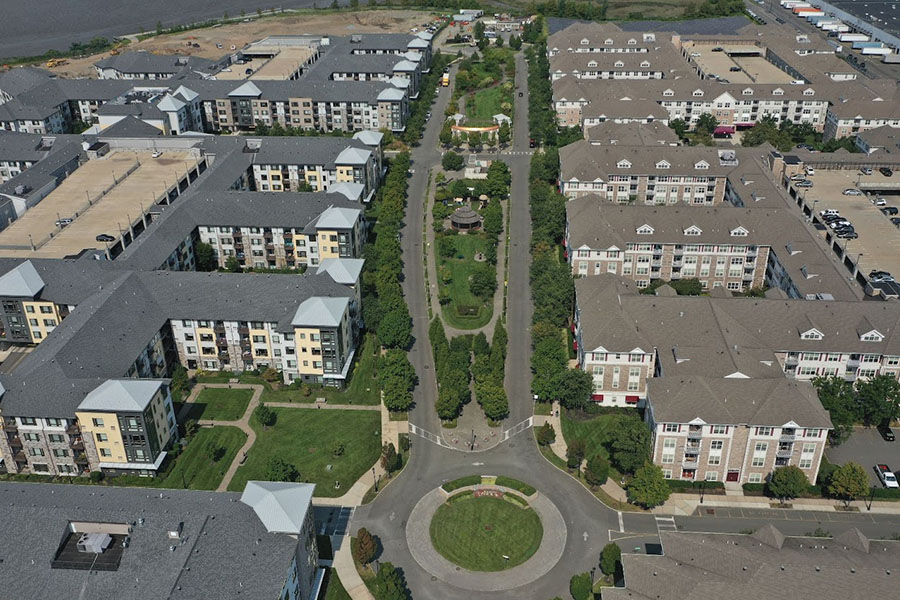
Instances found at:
x=610 y=558
x=679 y=126
x=515 y=42
x=839 y=399
x=580 y=586
x=204 y=257
x=395 y=328
x=390 y=460
x=190 y=428
x=573 y=387
x=180 y=380
x=504 y=133
x=451 y=161
x=629 y=444
x=596 y=472
x=446 y=135
x=879 y=399
x=848 y=482
x=478 y=30
x=265 y=415
x=338 y=448
x=397 y=379
x=390 y=584
x=232 y=265
x=279 y=470
x=648 y=487
x=366 y=547
x=546 y=435
x=575 y=453
x=498 y=41
x=787 y=482
x=483 y=281
x=706 y=123
x=215 y=451
x=492 y=399
x=474 y=139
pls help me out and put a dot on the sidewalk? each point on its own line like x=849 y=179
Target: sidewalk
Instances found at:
x=686 y=504
x=559 y=445
x=346 y=570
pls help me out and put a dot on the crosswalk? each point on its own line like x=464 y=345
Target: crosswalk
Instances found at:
x=665 y=524
x=440 y=441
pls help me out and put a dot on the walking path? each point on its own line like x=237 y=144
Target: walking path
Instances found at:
x=243 y=423
x=553 y=543
x=431 y=262
x=687 y=504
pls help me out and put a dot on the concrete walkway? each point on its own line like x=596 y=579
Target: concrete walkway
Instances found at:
x=558 y=446
x=687 y=504
x=553 y=543
x=243 y=423
x=431 y=262
x=346 y=570
x=322 y=405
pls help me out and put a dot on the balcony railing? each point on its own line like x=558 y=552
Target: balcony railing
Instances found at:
x=689 y=463
x=10 y=427
x=15 y=442
x=784 y=453
x=73 y=429
x=694 y=434
x=694 y=450
x=787 y=437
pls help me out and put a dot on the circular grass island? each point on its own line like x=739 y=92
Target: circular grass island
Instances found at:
x=478 y=532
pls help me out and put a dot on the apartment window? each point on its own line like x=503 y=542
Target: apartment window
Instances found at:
x=712 y=476
x=668 y=454
x=812 y=433
x=105 y=452
x=40 y=468
x=759 y=454
x=718 y=429
x=634 y=379
x=36 y=451
x=97 y=422
x=615 y=379
x=667 y=473
x=671 y=427
x=754 y=478
x=764 y=431
x=46 y=310
x=27 y=421
x=56 y=438
x=715 y=452
x=101 y=437
x=60 y=453
x=31 y=437
x=29 y=309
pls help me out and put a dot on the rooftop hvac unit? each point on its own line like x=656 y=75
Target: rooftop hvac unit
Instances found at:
x=94 y=543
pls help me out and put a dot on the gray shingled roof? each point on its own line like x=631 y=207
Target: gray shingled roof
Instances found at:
x=282 y=507
x=121 y=395
x=225 y=549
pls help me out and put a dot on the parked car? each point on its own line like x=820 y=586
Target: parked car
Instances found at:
x=880 y=276
x=735 y=69
x=718 y=49
x=803 y=183
x=896 y=221
x=879 y=201
x=840 y=224
x=866 y=170
x=806 y=147
x=886 y=433
x=890 y=210
x=852 y=192
x=810 y=171
x=849 y=235
x=829 y=211
x=887 y=477
x=63 y=222
x=531 y=143
x=103 y=237
x=885 y=171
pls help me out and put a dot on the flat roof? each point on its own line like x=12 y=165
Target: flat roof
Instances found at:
x=113 y=205
x=755 y=70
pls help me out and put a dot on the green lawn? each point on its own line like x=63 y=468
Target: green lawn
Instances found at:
x=335 y=589
x=481 y=109
x=458 y=288
x=306 y=438
x=194 y=469
x=362 y=389
x=594 y=432
x=475 y=533
x=220 y=404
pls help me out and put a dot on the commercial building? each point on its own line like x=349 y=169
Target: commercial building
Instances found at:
x=127 y=543
x=766 y=563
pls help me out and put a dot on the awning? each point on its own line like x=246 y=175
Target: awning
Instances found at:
x=744 y=124
x=722 y=129
x=597 y=397
x=632 y=399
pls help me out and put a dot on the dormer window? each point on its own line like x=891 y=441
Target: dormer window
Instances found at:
x=701 y=165
x=619 y=64
x=668 y=93
x=812 y=334
x=693 y=230
x=623 y=164
x=871 y=336
x=697 y=93
x=747 y=92
x=663 y=164
x=585 y=42
x=608 y=42
x=645 y=64
x=649 y=37
x=778 y=92
x=645 y=230
x=592 y=63
x=739 y=232
x=809 y=92
x=632 y=42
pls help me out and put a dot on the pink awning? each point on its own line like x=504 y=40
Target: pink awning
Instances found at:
x=723 y=129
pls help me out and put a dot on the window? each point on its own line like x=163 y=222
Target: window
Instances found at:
x=60 y=453
x=718 y=429
x=715 y=452
x=615 y=380
x=97 y=422
x=40 y=468
x=759 y=454
x=812 y=433
x=27 y=421
x=101 y=437
x=764 y=431
x=105 y=452
x=36 y=451
x=712 y=476
x=667 y=473
x=668 y=454
x=634 y=379
x=754 y=478
x=31 y=437
x=56 y=438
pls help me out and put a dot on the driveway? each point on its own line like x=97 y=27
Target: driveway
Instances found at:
x=866 y=447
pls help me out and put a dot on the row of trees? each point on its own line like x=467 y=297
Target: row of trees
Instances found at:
x=541 y=116
x=846 y=482
x=488 y=370
x=384 y=308
x=418 y=112
x=397 y=379
x=451 y=363
x=872 y=402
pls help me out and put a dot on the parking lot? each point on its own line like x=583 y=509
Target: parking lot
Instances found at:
x=753 y=69
x=866 y=447
x=879 y=239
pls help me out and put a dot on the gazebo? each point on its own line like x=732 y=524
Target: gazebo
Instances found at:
x=465 y=219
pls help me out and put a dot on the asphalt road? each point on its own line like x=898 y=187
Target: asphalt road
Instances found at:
x=28 y=29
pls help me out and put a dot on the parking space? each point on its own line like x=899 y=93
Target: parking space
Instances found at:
x=867 y=448
x=748 y=65
x=878 y=244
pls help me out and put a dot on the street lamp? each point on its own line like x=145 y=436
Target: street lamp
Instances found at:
x=592 y=575
x=375 y=479
x=871 y=498
x=472 y=446
x=702 y=487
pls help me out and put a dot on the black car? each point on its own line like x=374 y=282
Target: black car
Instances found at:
x=886 y=433
x=520 y=94
x=734 y=69
x=890 y=210
x=849 y=235
x=886 y=172
x=896 y=221
x=531 y=143
x=105 y=238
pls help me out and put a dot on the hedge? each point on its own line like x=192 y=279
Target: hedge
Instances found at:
x=820 y=491
x=517 y=485
x=465 y=495
x=462 y=482
x=516 y=499
x=693 y=487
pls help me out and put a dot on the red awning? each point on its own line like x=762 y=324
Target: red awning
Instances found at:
x=723 y=129
x=744 y=124
x=632 y=399
x=597 y=397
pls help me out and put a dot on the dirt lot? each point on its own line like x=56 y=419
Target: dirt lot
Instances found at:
x=241 y=34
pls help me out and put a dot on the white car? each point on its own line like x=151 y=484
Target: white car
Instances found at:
x=852 y=192
x=887 y=477
x=879 y=201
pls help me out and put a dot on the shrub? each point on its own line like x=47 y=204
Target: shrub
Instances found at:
x=366 y=547
x=610 y=557
x=596 y=471
x=575 y=454
x=265 y=415
x=515 y=484
x=461 y=482
x=96 y=476
x=580 y=586
x=546 y=435
x=279 y=470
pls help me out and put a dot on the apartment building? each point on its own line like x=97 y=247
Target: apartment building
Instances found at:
x=127 y=543
x=735 y=430
x=850 y=115
x=721 y=247
x=645 y=175
x=884 y=139
x=143 y=65
x=599 y=38
x=304 y=326
x=724 y=336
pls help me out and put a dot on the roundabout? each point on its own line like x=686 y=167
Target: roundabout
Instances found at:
x=486 y=537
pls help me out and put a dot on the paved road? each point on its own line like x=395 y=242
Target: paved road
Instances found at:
x=27 y=29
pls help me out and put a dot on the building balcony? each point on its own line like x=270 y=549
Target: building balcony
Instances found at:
x=15 y=442
x=11 y=428
x=20 y=457
x=692 y=450
x=787 y=438
x=76 y=444
x=73 y=429
x=694 y=434
x=784 y=453
x=223 y=353
x=222 y=342
x=80 y=458
x=689 y=462
x=219 y=328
